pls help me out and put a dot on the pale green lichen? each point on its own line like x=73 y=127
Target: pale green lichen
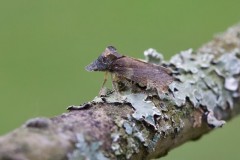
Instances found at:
x=133 y=147
x=179 y=61
x=86 y=150
x=139 y=136
x=131 y=134
x=128 y=128
x=201 y=81
x=212 y=121
x=138 y=132
x=116 y=143
x=152 y=56
x=228 y=66
x=204 y=80
x=144 y=110
x=231 y=83
x=180 y=92
x=114 y=98
x=153 y=143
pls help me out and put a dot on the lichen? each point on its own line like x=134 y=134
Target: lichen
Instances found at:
x=152 y=56
x=144 y=110
x=112 y=98
x=205 y=80
x=128 y=138
x=116 y=143
x=231 y=83
x=133 y=147
x=153 y=143
x=201 y=81
x=128 y=128
x=228 y=66
x=86 y=150
x=212 y=121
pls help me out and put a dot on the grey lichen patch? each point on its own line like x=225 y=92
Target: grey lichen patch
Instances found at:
x=120 y=146
x=204 y=60
x=128 y=128
x=166 y=127
x=116 y=147
x=133 y=147
x=179 y=61
x=152 y=56
x=180 y=92
x=153 y=143
x=225 y=100
x=85 y=150
x=205 y=81
x=144 y=110
x=231 y=83
x=124 y=145
x=115 y=136
x=213 y=122
x=209 y=100
x=228 y=66
x=130 y=135
x=213 y=82
x=112 y=98
x=138 y=132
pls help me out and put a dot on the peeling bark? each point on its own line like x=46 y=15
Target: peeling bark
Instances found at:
x=141 y=125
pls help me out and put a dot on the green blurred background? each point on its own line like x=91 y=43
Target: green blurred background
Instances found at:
x=45 y=44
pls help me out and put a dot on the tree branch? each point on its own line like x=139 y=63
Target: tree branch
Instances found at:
x=140 y=123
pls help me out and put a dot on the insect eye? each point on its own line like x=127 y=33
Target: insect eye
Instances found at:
x=104 y=60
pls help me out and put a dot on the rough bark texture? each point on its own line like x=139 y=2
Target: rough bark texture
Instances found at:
x=144 y=124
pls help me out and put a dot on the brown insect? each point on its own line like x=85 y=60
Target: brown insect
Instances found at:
x=122 y=67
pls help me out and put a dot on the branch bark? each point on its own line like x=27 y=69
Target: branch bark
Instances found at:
x=144 y=124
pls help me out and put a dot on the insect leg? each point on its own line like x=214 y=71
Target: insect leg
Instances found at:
x=104 y=82
x=114 y=82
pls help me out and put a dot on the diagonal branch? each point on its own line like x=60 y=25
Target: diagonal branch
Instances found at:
x=138 y=123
